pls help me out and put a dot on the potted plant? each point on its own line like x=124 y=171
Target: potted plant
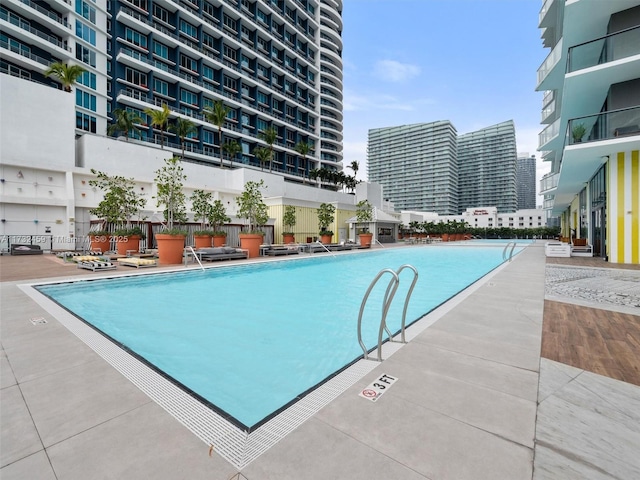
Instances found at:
x=289 y=221
x=325 y=218
x=577 y=132
x=201 y=206
x=119 y=204
x=217 y=218
x=169 y=181
x=364 y=215
x=252 y=207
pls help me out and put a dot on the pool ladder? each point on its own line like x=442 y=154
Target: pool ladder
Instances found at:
x=394 y=282
x=510 y=254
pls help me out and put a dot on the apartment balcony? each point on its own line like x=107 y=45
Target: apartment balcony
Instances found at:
x=614 y=124
x=548 y=112
x=546 y=21
x=549 y=73
x=548 y=183
x=603 y=50
x=550 y=133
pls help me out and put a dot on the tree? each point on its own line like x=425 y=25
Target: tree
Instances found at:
x=169 y=181
x=160 y=119
x=120 y=201
x=364 y=213
x=325 y=218
x=355 y=166
x=289 y=218
x=217 y=115
x=263 y=154
x=201 y=206
x=252 y=207
x=218 y=217
x=232 y=148
x=303 y=148
x=67 y=75
x=270 y=135
x=183 y=127
x=124 y=122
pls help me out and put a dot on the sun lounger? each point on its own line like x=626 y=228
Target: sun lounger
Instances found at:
x=95 y=265
x=275 y=251
x=221 y=253
x=138 y=262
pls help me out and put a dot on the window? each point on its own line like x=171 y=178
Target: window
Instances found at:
x=263 y=71
x=207 y=103
x=230 y=54
x=263 y=99
x=209 y=10
x=247 y=34
x=160 y=87
x=135 y=77
x=289 y=62
x=208 y=72
x=86 y=55
x=276 y=105
x=246 y=91
x=188 y=29
x=141 y=4
x=188 y=97
x=209 y=41
x=88 y=79
x=136 y=38
x=188 y=63
x=245 y=62
x=263 y=44
x=207 y=137
x=261 y=124
x=160 y=13
x=86 y=10
x=230 y=23
x=230 y=83
x=161 y=50
x=86 y=33
x=262 y=17
x=85 y=100
x=291 y=112
x=85 y=122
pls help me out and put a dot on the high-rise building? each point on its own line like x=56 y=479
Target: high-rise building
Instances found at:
x=274 y=64
x=487 y=168
x=526 y=182
x=416 y=165
x=591 y=118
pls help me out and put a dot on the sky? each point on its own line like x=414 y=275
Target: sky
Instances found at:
x=472 y=62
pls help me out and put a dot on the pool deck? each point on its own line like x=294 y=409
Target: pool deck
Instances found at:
x=533 y=374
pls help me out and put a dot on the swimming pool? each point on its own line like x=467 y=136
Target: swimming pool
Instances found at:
x=251 y=339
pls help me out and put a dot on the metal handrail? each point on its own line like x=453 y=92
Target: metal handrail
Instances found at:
x=388 y=298
x=391 y=291
x=325 y=247
x=193 y=252
x=406 y=301
x=504 y=252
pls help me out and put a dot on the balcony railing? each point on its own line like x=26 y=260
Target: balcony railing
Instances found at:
x=605 y=49
x=549 y=182
x=604 y=126
x=549 y=133
x=551 y=61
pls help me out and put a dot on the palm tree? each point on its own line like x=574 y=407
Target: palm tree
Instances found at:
x=159 y=118
x=183 y=127
x=124 y=122
x=303 y=148
x=263 y=154
x=232 y=148
x=355 y=166
x=270 y=135
x=67 y=75
x=217 y=115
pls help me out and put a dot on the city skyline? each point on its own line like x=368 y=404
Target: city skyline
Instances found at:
x=418 y=61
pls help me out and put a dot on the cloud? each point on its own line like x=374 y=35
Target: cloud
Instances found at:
x=379 y=101
x=394 y=71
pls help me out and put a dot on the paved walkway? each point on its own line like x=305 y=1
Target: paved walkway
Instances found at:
x=469 y=390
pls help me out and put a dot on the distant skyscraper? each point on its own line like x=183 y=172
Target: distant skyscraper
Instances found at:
x=526 y=182
x=416 y=165
x=487 y=168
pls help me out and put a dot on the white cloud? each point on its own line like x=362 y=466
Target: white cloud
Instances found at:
x=378 y=101
x=394 y=71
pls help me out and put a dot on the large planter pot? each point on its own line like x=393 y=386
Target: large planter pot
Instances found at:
x=251 y=242
x=202 y=241
x=219 y=240
x=445 y=237
x=326 y=239
x=288 y=238
x=99 y=243
x=127 y=243
x=365 y=239
x=170 y=248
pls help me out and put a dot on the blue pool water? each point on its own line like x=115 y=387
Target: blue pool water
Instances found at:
x=250 y=339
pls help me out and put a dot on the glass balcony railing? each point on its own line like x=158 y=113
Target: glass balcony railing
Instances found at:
x=549 y=133
x=604 y=126
x=549 y=182
x=551 y=61
x=605 y=49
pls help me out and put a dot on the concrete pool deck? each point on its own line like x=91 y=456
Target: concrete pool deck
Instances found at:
x=473 y=400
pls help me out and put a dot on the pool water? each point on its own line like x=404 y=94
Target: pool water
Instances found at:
x=251 y=339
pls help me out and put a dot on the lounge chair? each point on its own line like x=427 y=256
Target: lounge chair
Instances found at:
x=95 y=265
x=222 y=253
x=580 y=248
x=137 y=262
x=277 y=250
